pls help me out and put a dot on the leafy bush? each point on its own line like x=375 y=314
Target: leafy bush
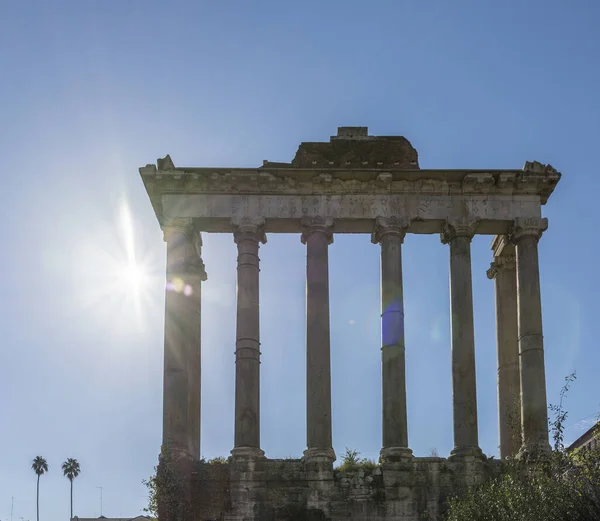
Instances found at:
x=166 y=489
x=558 y=491
x=152 y=484
x=368 y=465
x=219 y=460
x=562 y=487
x=352 y=462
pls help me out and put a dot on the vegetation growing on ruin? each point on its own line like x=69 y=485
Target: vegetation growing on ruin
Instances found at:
x=167 y=487
x=563 y=487
x=219 y=460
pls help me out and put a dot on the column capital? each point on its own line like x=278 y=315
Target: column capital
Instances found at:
x=249 y=228
x=504 y=256
x=527 y=227
x=179 y=226
x=505 y=262
x=458 y=227
x=316 y=224
x=390 y=226
x=185 y=241
x=193 y=270
x=198 y=268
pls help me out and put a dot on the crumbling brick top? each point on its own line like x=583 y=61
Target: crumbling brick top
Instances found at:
x=354 y=148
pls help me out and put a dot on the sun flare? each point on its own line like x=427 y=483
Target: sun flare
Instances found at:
x=117 y=277
x=132 y=274
x=133 y=277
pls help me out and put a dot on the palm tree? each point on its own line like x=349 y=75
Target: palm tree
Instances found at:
x=39 y=466
x=71 y=469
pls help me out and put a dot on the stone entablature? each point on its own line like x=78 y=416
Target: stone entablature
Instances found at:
x=309 y=181
x=352 y=197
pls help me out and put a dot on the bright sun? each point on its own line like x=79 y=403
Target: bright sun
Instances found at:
x=133 y=277
x=115 y=274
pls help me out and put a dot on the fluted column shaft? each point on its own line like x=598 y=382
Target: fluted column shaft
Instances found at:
x=247 y=235
x=534 y=414
x=181 y=392
x=390 y=234
x=317 y=235
x=503 y=270
x=458 y=234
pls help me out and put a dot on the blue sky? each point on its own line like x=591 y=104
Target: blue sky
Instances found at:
x=90 y=91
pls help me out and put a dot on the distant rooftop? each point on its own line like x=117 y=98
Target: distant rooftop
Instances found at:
x=137 y=518
x=590 y=438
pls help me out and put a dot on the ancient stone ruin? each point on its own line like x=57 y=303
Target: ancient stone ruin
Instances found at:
x=355 y=183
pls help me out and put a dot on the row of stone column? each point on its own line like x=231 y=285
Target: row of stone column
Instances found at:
x=521 y=379
x=522 y=405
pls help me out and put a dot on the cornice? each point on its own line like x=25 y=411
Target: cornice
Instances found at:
x=342 y=181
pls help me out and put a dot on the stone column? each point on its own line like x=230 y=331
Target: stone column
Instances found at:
x=458 y=234
x=248 y=234
x=525 y=234
x=504 y=271
x=390 y=232
x=317 y=234
x=181 y=394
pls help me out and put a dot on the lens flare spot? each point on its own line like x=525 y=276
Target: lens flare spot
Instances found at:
x=176 y=285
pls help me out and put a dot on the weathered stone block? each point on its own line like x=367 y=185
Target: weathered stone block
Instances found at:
x=281 y=490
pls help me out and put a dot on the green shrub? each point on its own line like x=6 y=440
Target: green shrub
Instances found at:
x=219 y=460
x=368 y=465
x=561 y=487
x=352 y=462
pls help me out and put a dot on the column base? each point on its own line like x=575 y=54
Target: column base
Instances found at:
x=395 y=454
x=247 y=453
x=176 y=451
x=318 y=466
x=534 y=452
x=466 y=453
x=319 y=456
